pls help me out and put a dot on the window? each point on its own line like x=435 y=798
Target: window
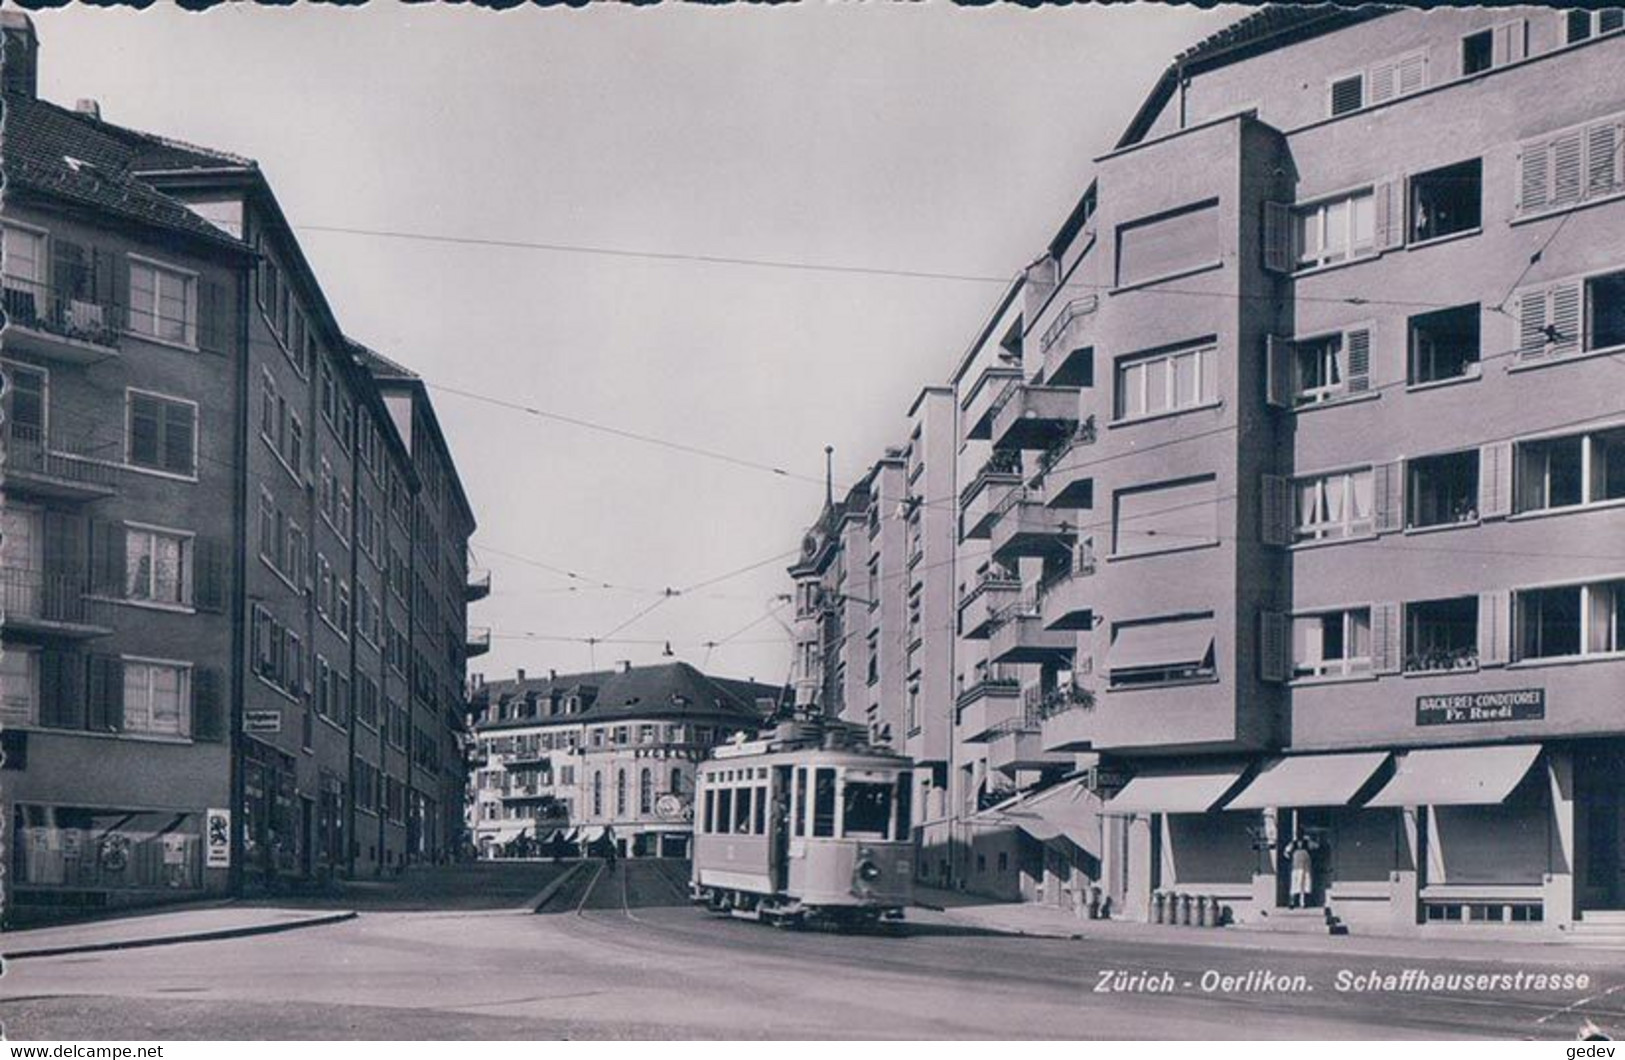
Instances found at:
x=163 y=303
x=19 y=685
x=1562 y=472
x=1168 y=244
x=1441 y=635
x=620 y=793
x=156 y=698
x=1444 y=345
x=1477 y=52
x=157 y=566
x=1334 y=230
x=1570 y=620
x=162 y=433
x=1446 y=201
x=1583 y=25
x=1347 y=94
x=1333 y=644
x=823 y=803
x=1162 y=651
x=1167 y=381
x=1318 y=369
x=1166 y=516
x=1605 y=311
x=866 y=810
x=1330 y=507
x=1442 y=490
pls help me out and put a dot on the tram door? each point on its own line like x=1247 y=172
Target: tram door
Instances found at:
x=779 y=841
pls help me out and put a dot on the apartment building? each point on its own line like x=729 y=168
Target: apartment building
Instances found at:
x=569 y=762
x=337 y=519
x=1294 y=456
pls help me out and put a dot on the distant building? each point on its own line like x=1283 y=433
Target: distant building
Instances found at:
x=569 y=760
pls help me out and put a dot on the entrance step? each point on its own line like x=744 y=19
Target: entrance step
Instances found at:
x=1296 y=922
x=1603 y=917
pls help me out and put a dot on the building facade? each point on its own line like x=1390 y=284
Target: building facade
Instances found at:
x=1292 y=454
x=262 y=502
x=568 y=762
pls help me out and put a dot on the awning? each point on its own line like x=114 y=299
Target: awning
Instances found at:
x=1310 y=780
x=1162 y=644
x=590 y=835
x=1457 y=776
x=506 y=834
x=1194 y=790
x=1017 y=812
x=1073 y=811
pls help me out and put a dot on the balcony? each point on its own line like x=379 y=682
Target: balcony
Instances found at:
x=1064 y=598
x=1018 y=636
x=478 y=586
x=64 y=326
x=1034 y=417
x=979 y=500
x=1018 y=748
x=1024 y=527
x=1065 y=468
x=57 y=471
x=478 y=640
x=1068 y=720
x=1067 y=345
x=976 y=407
x=50 y=605
x=994 y=589
x=994 y=700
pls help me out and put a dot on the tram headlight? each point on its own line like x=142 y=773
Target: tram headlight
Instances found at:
x=868 y=871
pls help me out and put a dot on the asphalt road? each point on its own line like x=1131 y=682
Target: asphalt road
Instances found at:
x=620 y=953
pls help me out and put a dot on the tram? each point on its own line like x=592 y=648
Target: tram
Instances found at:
x=809 y=824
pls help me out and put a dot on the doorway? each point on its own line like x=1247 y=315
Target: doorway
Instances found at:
x=1599 y=804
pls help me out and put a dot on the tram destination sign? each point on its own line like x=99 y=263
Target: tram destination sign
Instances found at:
x=1523 y=704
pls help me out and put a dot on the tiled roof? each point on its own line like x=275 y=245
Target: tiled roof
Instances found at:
x=379 y=365
x=668 y=690
x=57 y=152
x=1262 y=24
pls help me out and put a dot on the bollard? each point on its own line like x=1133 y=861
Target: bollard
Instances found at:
x=1202 y=911
x=1185 y=910
x=1159 y=902
x=1094 y=901
x=1216 y=913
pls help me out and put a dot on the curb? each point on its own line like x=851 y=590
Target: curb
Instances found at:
x=933 y=908
x=169 y=940
x=535 y=903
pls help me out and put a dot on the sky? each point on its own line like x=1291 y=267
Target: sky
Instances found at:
x=914 y=138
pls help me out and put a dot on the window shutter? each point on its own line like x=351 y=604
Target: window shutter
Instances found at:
x=1357 y=344
x=1277 y=237
x=63 y=550
x=1388 y=496
x=1568 y=161
x=1348 y=94
x=1610 y=19
x=1383 y=80
x=1412 y=73
x=104 y=269
x=1565 y=319
x=1275 y=510
x=107 y=559
x=106 y=693
x=1390 y=206
x=1495 y=480
x=210 y=296
x=1274 y=643
x=1534 y=190
x=1511 y=41
x=1278 y=371
x=62 y=700
x=208 y=575
x=1531 y=325
x=1387 y=638
x=1602 y=158
x=208 y=720
x=1494 y=628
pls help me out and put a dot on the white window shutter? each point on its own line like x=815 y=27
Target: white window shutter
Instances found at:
x=1357 y=350
x=1534 y=185
x=1277 y=237
x=1602 y=158
x=1278 y=371
x=1382 y=82
x=1387 y=638
x=1274 y=646
x=1495 y=480
x=1494 y=628
x=1388 y=497
x=1275 y=510
x=1511 y=41
x=1568 y=166
x=1389 y=196
x=1531 y=324
x=1412 y=74
x=1565 y=318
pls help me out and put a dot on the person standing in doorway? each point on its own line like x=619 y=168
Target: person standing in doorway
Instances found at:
x=1302 y=859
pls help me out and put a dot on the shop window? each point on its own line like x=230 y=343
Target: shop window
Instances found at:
x=1443 y=490
x=106 y=849
x=1605 y=311
x=1334 y=644
x=1441 y=635
x=1444 y=345
x=1446 y=201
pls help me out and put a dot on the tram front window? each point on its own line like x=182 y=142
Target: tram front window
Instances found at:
x=868 y=810
x=823 y=803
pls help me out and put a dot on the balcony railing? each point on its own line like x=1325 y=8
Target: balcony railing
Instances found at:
x=478 y=640
x=997 y=680
x=38 y=306
x=1081 y=566
x=478 y=586
x=41 y=597
x=27 y=453
x=1053 y=701
x=1076 y=309
x=1003 y=462
x=1083 y=434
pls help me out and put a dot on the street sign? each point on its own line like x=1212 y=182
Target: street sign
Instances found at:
x=262 y=721
x=1524 y=704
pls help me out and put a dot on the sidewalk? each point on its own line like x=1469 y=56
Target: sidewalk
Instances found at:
x=158 y=929
x=1020 y=918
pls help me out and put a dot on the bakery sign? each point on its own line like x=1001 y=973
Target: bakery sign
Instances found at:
x=1523 y=704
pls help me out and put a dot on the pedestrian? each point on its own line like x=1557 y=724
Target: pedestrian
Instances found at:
x=1301 y=853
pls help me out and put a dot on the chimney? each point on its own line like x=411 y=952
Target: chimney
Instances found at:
x=552 y=674
x=626 y=666
x=521 y=674
x=89 y=107
x=19 y=64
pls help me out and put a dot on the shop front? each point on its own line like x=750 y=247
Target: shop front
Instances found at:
x=100 y=857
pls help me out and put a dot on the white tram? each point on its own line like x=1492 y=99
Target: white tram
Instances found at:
x=807 y=824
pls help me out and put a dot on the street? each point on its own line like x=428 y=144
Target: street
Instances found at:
x=618 y=953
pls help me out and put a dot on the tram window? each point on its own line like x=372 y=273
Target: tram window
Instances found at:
x=823 y=803
x=710 y=812
x=801 y=800
x=742 y=802
x=868 y=810
x=725 y=810
x=905 y=805
x=759 y=816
